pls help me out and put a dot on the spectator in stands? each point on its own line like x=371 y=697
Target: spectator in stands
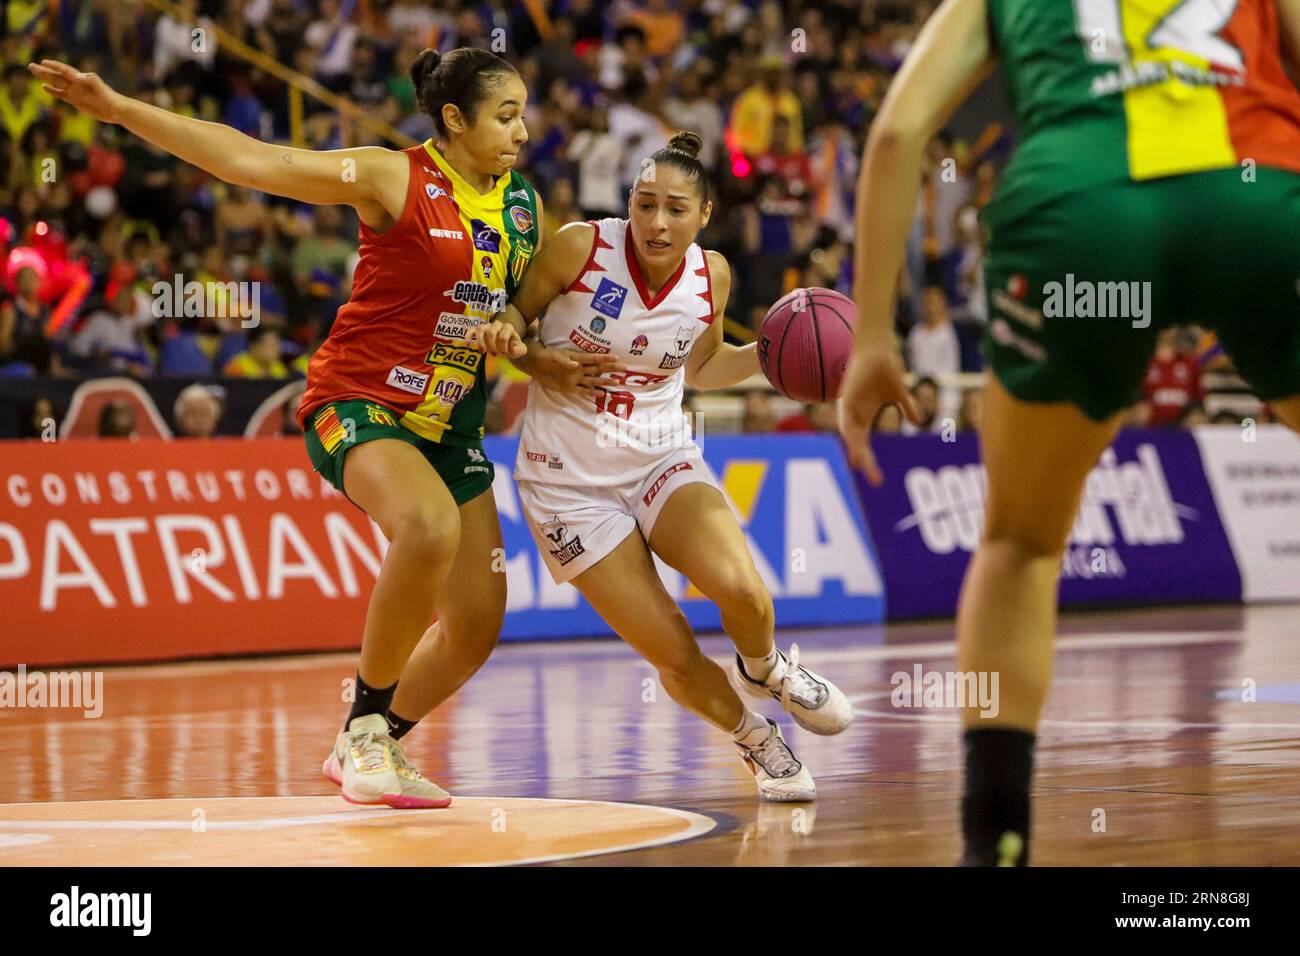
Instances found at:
x=320 y=263
x=925 y=394
x=1194 y=414
x=758 y=417
x=109 y=342
x=932 y=346
x=174 y=41
x=38 y=420
x=971 y=415
x=116 y=420
x=21 y=102
x=197 y=412
x=599 y=155
x=1226 y=417
x=754 y=113
x=690 y=108
x=560 y=209
x=261 y=360
x=333 y=38
x=1173 y=378
x=22 y=325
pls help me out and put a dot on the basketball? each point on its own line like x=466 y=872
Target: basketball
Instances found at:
x=805 y=341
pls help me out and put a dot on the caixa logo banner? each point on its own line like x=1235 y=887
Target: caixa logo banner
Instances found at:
x=1147 y=530
x=794 y=499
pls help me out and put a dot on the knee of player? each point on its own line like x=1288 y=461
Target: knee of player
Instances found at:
x=427 y=534
x=743 y=593
x=1029 y=539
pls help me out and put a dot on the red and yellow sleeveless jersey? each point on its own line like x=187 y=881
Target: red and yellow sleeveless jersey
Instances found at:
x=451 y=261
x=1110 y=90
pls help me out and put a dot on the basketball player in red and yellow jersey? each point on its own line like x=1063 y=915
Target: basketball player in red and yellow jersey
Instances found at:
x=1160 y=156
x=393 y=413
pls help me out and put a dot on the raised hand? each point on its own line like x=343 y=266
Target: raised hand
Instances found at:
x=86 y=91
x=873 y=379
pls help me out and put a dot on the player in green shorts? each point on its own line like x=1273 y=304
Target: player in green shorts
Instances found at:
x=1156 y=182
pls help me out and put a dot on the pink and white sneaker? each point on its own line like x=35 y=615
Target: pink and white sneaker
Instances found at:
x=371 y=768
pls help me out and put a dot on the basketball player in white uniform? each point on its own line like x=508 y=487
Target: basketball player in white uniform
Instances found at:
x=608 y=472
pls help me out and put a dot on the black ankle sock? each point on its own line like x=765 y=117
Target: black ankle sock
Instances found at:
x=370 y=700
x=399 y=727
x=995 y=807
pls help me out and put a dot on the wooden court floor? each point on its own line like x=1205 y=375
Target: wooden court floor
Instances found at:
x=1171 y=737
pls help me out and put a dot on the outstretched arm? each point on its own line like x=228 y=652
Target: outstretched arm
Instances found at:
x=951 y=56
x=713 y=362
x=1289 y=15
x=371 y=179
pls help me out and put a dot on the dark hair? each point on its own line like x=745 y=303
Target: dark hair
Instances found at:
x=464 y=78
x=682 y=153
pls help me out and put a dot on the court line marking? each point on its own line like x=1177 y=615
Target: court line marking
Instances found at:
x=698 y=824
x=1076 y=642
x=1098 y=724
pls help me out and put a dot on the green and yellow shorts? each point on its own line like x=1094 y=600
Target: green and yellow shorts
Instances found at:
x=336 y=427
x=1079 y=288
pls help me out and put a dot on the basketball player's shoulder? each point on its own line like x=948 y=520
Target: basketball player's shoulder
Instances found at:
x=719 y=272
x=574 y=239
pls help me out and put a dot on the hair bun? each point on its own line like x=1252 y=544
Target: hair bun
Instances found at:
x=687 y=142
x=422 y=68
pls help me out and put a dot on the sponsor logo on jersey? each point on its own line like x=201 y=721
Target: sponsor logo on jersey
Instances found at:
x=455 y=355
x=454 y=325
x=554 y=461
x=486 y=238
x=562 y=549
x=522 y=218
x=486 y=263
x=682 y=343
x=1016 y=309
x=608 y=298
x=597 y=324
x=434 y=191
x=538 y=456
x=662 y=480
x=448 y=391
x=517 y=194
x=586 y=344
x=475 y=454
x=447 y=234
x=1003 y=335
x=478 y=296
x=640 y=344
x=407 y=380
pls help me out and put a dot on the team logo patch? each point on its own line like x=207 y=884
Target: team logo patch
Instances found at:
x=407 y=380
x=597 y=324
x=380 y=416
x=522 y=218
x=640 y=344
x=682 y=343
x=608 y=298
x=486 y=238
x=486 y=263
x=563 y=550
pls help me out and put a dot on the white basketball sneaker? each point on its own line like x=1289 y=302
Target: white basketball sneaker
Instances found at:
x=816 y=704
x=781 y=777
x=371 y=768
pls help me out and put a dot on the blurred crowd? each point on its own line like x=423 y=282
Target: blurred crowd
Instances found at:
x=781 y=91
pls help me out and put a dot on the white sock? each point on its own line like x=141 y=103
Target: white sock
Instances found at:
x=749 y=722
x=759 y=667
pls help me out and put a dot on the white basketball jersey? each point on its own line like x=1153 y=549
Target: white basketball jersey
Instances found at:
x=638 y=419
